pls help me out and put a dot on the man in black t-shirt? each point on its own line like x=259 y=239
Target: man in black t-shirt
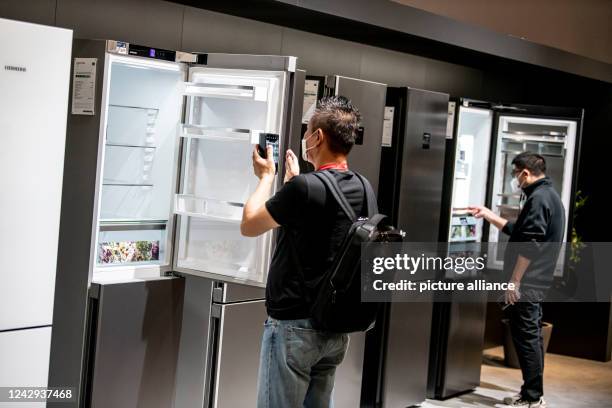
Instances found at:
x=298 y=362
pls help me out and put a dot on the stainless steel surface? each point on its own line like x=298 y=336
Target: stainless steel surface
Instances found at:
x=77 y=235
x=137 y=343
x=237 y=362
x=193 y=347
x=347 y=388
x=242 y=61
x=422 y=169
x=463 y=351
x=228 y=292
x=407 y=351
x=369 y=98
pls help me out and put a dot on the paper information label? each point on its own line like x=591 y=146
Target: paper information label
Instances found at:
x=84 y=86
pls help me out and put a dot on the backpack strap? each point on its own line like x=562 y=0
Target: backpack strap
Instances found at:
x=370 y=196
x=332 y=184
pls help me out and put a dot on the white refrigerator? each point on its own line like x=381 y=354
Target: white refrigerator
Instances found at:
x=34 y=75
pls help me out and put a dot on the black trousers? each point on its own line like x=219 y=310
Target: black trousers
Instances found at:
x=526 y=329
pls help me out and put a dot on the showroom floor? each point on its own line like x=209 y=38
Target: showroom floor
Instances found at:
x=568 y=383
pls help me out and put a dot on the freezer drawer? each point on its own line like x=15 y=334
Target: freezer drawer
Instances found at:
x=238 y=346
x=24 y=361
x=134 y=343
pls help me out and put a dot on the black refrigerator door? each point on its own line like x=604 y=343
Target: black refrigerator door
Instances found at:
x=369 y=98
x=397 y=350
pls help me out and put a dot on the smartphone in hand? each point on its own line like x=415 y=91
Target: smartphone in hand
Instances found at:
x=271 y=139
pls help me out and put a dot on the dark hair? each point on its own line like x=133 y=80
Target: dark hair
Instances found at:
x=530 y=161
x=339 y=119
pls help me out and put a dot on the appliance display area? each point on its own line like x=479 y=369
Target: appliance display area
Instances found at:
x=470 y=172
x=227 y=111
x=553 y=139
x=139 y=161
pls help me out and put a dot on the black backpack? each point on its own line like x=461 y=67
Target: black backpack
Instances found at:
x=336 y=305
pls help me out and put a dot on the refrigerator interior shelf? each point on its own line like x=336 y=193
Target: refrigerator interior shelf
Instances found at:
x=509 y=195
x=533 y=138
x=473 y=239
x=217 y=133
x=208 y=208
x=516 y=152
x=130 y=146
x=231 y=270
x=132 y=225
x=508 y=207
x=154 y=111
x=208 y=90
x=127 y=184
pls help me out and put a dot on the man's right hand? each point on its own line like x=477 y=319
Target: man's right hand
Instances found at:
x=480 y=211
x=292 y=165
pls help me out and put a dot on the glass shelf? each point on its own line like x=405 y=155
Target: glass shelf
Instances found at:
x=208 y=208
x=226 y=91
x=127 y=184
x=218 y=133
x=128 y=145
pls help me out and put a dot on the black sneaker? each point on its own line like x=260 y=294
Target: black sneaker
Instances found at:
x=528 y=404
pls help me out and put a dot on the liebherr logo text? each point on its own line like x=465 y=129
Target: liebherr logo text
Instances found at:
x=14 y=68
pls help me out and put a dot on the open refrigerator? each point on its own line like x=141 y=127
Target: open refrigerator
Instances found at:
x=173 y=134
x=483 y=138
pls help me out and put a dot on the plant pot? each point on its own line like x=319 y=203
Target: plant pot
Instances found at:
x=510 y=357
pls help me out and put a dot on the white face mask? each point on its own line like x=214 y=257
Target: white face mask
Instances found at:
x=515 y=185
x=304 y=148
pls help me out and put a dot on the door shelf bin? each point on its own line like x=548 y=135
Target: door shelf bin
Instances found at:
x=218 y=247
x=208 y=208
x=218 y=133
x=226 y=91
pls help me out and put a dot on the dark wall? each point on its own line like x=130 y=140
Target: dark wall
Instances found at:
x=326 y=45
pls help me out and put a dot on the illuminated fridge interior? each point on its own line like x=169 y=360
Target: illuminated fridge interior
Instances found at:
x=143 y=111
x=470 y=173
x=552 y=138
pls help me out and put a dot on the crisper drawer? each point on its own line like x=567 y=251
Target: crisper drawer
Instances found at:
x=216 y=246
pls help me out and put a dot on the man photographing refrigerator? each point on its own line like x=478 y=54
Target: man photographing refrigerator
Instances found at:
x=530 y=263
x=298 y=362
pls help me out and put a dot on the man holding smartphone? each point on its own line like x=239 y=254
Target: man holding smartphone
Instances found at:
x=530 y=264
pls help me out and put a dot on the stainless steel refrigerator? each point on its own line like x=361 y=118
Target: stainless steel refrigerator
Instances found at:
x=158 y=169
x=411 y=180
x=369 y=98
x=483 y=139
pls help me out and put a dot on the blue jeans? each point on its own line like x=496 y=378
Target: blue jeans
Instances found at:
x=298 y=364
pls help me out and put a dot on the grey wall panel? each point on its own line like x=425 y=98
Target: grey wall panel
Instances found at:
x=452 y=78
x=190 y=372
x=392 y=68
x=320 y=55
x=214 y=32
x=34 y=11
x=146 y=22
